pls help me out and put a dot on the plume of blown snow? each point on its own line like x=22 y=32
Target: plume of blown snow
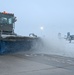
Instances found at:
x=55 y=46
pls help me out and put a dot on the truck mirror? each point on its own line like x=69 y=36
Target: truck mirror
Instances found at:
x=14 y=19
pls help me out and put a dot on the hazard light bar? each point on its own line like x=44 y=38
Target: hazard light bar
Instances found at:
x=5 y=12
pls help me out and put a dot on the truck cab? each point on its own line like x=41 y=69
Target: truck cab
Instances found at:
x=7 y=22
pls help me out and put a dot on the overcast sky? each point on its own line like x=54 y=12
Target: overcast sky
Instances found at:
x=54 y=15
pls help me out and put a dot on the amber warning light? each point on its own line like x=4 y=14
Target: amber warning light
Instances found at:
x=6 y=12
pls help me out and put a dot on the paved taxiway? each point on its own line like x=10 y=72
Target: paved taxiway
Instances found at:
x=36 y=64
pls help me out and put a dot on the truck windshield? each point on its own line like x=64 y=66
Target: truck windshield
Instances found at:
x=6 y=19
